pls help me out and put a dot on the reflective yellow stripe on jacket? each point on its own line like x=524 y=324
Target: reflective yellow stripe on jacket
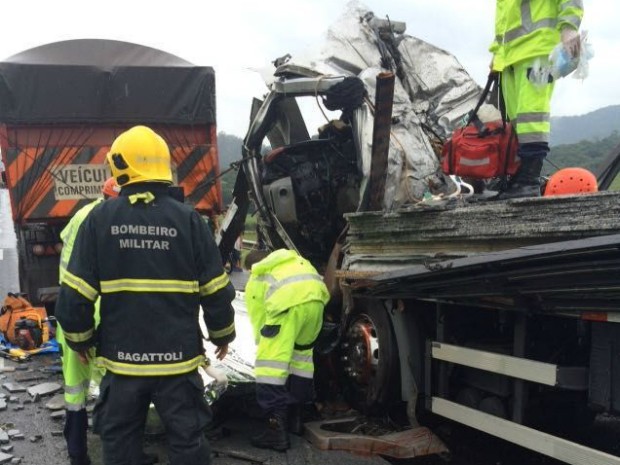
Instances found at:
x=164 y=285
x=220 y=333
x=69 y=233
x=168 y=369
x=148 y=285
x=80 y=286
x=217 y=283
x=79 y=337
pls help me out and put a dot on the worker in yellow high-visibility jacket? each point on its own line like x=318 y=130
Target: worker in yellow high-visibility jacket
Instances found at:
x=285 y=297
x=526 y=31
x=77 y=374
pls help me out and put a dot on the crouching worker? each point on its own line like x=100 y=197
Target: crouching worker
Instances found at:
x=285 y=297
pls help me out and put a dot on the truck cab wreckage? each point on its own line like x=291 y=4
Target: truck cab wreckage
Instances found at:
x=500 y=315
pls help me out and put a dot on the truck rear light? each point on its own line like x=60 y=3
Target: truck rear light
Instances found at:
x=608 y=317
x=38 y=249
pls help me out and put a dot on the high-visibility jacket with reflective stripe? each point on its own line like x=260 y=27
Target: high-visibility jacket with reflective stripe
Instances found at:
x=530 y=28
x=278 y=282
x=153 y=262
x=77 y=375
x=69 y=233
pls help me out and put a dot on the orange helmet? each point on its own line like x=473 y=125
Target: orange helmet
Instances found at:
x=111 y=187
x=569 y=181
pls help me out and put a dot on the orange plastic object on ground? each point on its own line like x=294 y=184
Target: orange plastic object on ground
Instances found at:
x=570 y=181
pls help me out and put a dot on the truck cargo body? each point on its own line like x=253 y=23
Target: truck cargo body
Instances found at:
x=500 y=315
x=55 y=135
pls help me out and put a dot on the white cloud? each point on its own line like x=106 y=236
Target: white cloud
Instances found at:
x=236 y=36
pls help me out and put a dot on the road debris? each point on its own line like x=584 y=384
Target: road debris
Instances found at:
x=56 y=403
x=44 y=389
x=14 y=387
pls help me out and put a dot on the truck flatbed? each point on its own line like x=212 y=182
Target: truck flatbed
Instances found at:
x=459 y=228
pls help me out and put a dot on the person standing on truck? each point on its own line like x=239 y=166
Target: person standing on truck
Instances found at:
x=154 y=263
x=285 y=297
x=526 y=31
x=77 y=372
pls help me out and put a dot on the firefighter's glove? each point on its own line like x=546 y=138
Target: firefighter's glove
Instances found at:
x=571 y=41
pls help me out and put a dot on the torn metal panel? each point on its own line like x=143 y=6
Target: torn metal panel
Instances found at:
x=432 y=89
x=328 y=175
x=438 y=85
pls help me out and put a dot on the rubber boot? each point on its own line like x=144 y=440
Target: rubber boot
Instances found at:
x=526 y=181
x=275 y=436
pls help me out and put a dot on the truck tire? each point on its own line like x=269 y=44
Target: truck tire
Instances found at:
x=370 y=358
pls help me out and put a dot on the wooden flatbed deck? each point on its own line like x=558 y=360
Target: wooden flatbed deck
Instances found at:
x=460 y=228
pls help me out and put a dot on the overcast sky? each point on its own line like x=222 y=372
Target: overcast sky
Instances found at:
x=237 y=37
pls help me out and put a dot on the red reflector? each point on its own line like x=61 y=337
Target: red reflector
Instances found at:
x=594 y=316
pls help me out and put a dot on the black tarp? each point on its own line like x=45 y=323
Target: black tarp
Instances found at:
x=104 y=81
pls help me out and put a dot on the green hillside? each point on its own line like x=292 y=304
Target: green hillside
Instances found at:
x=586 y=154
x=595 y=125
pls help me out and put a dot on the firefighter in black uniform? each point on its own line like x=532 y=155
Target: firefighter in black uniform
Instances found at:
x=153 y=262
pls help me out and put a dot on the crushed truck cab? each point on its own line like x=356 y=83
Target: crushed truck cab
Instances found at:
x=496 y=314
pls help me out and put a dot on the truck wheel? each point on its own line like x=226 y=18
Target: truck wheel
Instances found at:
x=370 y=358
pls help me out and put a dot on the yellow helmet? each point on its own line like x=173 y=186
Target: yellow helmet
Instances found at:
x=139 y=155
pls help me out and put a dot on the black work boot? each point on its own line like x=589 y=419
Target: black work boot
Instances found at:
x=526 y=181
x=275 y=436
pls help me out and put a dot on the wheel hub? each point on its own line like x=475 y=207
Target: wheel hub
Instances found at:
x=361 y=350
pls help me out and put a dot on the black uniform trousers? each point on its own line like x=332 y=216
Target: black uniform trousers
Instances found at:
x=121 y=410
x=76 y=427
x=274 y=399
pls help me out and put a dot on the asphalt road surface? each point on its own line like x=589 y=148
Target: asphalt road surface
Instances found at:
x=44 y=444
